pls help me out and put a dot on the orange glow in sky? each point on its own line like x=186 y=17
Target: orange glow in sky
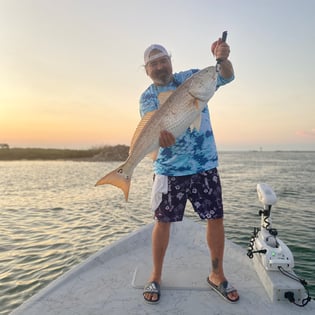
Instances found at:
x=71 y=71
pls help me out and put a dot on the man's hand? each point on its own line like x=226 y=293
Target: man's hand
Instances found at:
x=220 y=49
x=166 y=139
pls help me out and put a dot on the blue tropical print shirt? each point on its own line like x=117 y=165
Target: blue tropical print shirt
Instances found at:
x=194 y=151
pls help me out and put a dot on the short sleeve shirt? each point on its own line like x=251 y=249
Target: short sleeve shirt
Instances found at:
x=195 y=150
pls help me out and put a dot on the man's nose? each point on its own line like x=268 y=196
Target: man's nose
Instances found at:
x=160 y=65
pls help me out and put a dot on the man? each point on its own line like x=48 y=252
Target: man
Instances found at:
x=176 y=180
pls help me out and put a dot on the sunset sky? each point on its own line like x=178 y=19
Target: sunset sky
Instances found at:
x=71 y=71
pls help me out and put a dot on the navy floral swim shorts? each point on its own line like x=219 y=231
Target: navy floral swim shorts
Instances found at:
x=203 y=190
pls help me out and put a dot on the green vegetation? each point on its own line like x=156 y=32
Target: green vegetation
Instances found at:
x=106 y=153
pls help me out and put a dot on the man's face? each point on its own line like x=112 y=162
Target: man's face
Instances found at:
x=160 y=69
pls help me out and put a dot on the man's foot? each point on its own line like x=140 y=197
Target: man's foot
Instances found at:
x=151 y=292
x=225 y=290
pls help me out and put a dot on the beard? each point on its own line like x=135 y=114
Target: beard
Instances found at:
x=162 y=77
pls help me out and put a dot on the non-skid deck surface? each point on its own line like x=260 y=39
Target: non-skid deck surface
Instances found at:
x=107 y=284
x=173 y=278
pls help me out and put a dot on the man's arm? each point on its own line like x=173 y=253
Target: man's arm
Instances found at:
x=226 y=69
x=221 y=50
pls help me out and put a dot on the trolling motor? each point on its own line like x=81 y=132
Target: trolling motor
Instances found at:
x=273 y=260
x=273 y=253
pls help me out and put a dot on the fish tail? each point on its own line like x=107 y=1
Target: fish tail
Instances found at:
x=119 y=178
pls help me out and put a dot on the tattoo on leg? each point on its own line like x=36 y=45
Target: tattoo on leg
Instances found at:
x=215 y=265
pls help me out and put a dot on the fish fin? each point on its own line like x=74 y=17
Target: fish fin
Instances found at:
x=196 y=124
x=139 y=128
x=153 y=155
x=118 y=178
x=163 y=96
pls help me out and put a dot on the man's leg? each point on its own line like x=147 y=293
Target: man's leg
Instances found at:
x=215 y=239
x=160 y=238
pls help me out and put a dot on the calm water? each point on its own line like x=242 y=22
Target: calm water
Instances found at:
x=52 y=216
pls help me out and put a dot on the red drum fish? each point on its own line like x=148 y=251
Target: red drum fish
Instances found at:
x=179 y=110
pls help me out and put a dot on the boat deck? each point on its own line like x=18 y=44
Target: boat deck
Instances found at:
x=111 y=281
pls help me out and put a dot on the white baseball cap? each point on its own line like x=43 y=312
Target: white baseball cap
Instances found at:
x=163 y=52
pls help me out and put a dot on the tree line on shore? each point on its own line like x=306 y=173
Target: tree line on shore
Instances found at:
x=105 y=153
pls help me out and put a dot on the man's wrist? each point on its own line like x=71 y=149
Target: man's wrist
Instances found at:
x=224 y=61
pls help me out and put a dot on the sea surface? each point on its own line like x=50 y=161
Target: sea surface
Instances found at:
x=52 y=217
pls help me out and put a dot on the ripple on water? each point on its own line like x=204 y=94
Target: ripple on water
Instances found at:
x=52 y=216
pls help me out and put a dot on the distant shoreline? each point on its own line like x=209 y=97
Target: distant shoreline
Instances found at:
x=106 y=153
